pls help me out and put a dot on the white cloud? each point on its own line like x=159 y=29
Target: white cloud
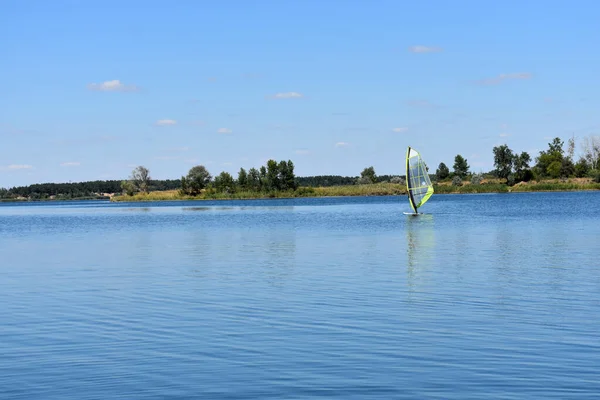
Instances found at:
x=70 y=164
x=503 y=77
x=302 y=152
x=400 y=130
x=15 y=167
x=166 y=122
x=224 y=130
x=342 y=144
x=288 y=95
x=227 y=164
x=504 y=134
x=424 y=49
x=112 y=86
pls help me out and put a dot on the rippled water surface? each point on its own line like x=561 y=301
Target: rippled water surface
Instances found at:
x=486 y=296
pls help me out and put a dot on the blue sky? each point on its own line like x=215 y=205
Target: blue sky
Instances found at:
x=91 y=89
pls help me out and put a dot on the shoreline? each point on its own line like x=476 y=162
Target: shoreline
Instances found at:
x=368 y=190
x=381 y=189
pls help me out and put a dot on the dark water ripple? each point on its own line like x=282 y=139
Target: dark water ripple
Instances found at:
x=491 y=296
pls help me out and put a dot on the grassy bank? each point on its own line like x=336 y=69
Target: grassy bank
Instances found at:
x=49 y=199
x=378 y=189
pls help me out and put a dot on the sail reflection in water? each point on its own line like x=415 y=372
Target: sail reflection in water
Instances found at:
x=420 y=246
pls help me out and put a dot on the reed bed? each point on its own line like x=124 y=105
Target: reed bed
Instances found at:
x=376 y=189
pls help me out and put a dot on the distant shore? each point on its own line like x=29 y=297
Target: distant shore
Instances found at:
x=376 y=189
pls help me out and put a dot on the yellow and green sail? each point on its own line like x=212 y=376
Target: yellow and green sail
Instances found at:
x=418 y=183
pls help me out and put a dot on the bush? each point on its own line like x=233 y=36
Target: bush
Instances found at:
x=511 y=179
x=397 y=180
x=526 y=175
x=595 y=174
x=476 y=179
x=364 y=180
x=456 y=181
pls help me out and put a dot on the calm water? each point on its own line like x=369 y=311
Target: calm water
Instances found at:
x=488 y=296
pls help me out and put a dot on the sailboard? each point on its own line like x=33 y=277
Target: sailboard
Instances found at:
x=418 y=184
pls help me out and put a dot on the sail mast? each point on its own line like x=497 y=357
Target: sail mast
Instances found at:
x=411 y=200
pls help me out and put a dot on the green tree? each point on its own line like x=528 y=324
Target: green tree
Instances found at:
x=461 y=168
x=253 y=179
x=273 y=175
x=242 y=178
x=224 y=183
x=141 y=178
x=442 y=172
x=368 y=175
x=503 y=161
x=287 y=178
x=554 y=169
x=521 y=165
x=264 y=183
x=127 y=187
x=581 y=168
x=184 y=186
x=197 y=179
x=282 y=173
x=556 y=146
x=552 y=162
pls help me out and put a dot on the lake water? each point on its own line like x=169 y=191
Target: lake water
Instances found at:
x=485 y=297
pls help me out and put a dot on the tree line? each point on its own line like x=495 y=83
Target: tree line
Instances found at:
x=78 y=190
x=554 y=162
x=272 y=177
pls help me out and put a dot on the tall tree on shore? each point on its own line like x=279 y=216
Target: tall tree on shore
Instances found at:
x=442 y=172
x=242 y=178
x=282 y=170
x=367 y=176
x=128 y=188
x=272 y=175
x=141 y=178
x=290 y=178
x=197 y=179
x=521 y=166
x=503 y=161
x=552 y=162
x=264 y=184
x=461 y=168
x=224 y=182
x=253 y=179
x=287 y=179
